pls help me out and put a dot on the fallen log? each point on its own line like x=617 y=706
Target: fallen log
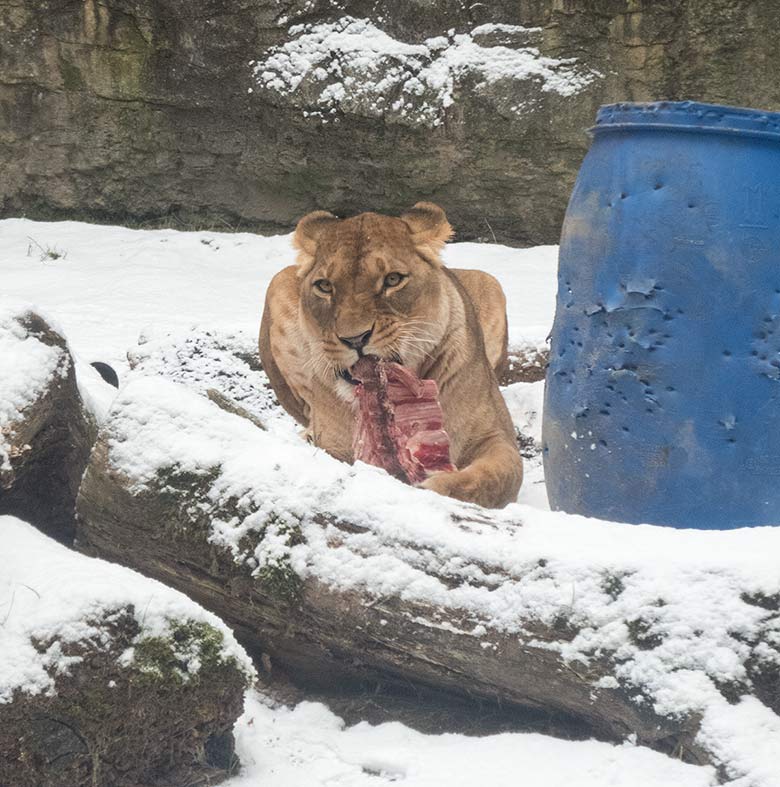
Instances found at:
x=45 y=431
x=107 y=677
x=663 y=637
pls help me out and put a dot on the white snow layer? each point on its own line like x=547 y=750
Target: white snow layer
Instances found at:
x=117 y=283
x=52 y=595
x=352 y=62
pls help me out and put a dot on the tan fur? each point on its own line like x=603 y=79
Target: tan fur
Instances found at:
x=446 y=325
x=489 y=302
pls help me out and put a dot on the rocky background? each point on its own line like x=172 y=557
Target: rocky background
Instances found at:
x=249 y=113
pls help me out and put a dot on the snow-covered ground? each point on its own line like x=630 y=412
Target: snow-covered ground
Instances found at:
x=111 y=284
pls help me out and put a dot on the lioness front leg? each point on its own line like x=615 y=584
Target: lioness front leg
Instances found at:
x=492 y=479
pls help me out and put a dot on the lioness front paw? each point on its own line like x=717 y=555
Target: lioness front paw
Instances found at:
x=459 y=485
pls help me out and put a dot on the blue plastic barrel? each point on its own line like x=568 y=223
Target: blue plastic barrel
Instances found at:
x=662 y=402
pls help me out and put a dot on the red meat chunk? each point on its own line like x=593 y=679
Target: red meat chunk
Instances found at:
x=399 y=421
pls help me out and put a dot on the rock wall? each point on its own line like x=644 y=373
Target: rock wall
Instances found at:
x=249 y=113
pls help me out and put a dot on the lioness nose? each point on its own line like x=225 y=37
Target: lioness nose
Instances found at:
x=357 y=342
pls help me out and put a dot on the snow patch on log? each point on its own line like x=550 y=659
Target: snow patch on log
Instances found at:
x=27 y=366
x=46 y=430
x=52 y=599
x=687 y=621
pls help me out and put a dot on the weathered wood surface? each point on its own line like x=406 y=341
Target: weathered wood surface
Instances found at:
x=48 y=443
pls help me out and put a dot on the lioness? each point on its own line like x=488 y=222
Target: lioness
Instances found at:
x=376 y=285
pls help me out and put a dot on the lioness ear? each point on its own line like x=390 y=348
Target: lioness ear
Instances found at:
x=307 y=235
x=429 y=227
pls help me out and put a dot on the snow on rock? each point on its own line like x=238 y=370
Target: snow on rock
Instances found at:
x=491 y=28
x=683 y=615
x=354 y=66
x=52 y=598
x=308 y=745
x=46 y=432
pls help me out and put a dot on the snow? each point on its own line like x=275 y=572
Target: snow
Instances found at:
x=686 y=593
x=525 y=401
x=730 y=731
x=52 y=595
x=205 y=359
x=497 y=27
x=116 y=284
x=351 y=62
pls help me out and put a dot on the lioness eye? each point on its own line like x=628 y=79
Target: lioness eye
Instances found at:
x=323 y=285
x=394 y=279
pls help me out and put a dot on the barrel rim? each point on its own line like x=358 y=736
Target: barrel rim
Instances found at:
x=688 y=116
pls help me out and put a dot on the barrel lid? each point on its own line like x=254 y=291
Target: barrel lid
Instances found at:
x=688 y=116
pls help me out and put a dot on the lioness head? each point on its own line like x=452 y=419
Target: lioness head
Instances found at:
x=372 y=285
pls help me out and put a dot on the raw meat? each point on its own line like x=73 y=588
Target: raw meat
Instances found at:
x=399 y=421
